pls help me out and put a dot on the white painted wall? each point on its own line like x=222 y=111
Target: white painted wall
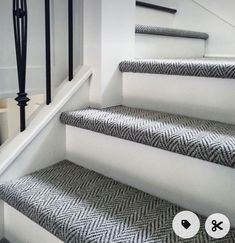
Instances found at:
x=215 y=17
x=36 y=46
x=222 y=35
x=223 y=9
x=108 y=38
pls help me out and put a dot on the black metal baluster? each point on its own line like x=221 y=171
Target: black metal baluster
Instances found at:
x=20 y=21
x=70 y=38
x=156 y=7
x=48 y=51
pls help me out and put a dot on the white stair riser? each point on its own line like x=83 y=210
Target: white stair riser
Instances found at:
x=156 y=46
x=206 y=98
x=153 y=17
x=197 y=185
x=20 y=229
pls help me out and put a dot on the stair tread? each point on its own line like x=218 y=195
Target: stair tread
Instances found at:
x=156 y=30
x=79 y=205
x=198 y=67
x=206 y=140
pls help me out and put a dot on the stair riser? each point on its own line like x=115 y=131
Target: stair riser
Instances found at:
x=154 y=18
x=20 y=229
x=156 y=46
x=206 y=98
x=188 y=182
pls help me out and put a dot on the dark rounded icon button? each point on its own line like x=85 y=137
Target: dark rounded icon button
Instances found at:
x=186 y=224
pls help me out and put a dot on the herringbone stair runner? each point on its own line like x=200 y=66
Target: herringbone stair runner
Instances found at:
x=197 y=67
x=78 y=205
x=206 y=140
x=155 y=30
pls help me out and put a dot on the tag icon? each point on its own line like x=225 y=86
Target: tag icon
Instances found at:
x=185 y=223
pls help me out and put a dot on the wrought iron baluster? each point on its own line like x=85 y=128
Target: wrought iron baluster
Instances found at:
x=48 y=50
x=20 y=22
x=70 y=38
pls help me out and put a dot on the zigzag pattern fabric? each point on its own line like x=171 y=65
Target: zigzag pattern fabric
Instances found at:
x=206 y=67
x=154 y=30
x=80 y=206
x=202 y=139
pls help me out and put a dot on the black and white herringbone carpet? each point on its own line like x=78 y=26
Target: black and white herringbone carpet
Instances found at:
x=202 y=139
x=80 y=206
x=201 y=67
x=155 y=30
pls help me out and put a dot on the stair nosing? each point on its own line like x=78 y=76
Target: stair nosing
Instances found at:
x=130 y=122
x=170 y=32
x=211 y=68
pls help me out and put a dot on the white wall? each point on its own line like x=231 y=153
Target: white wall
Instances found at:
x=223 y=9
x=222 y=35
x=108 y=38
x=215 y=17
x=36 y=45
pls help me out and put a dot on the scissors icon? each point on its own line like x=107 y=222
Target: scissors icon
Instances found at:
x=216 y=225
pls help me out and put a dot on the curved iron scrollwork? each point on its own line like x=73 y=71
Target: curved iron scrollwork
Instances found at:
x=20 y=20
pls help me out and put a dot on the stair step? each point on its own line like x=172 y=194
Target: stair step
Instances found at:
x=206 y=140
x=155 y=30
x=153 y=42
x=201 y=67
x=79 y=205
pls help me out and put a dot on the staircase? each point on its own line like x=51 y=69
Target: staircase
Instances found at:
x=79 y=205
x=205 y=140
x=153 y=42
x=130 y=168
